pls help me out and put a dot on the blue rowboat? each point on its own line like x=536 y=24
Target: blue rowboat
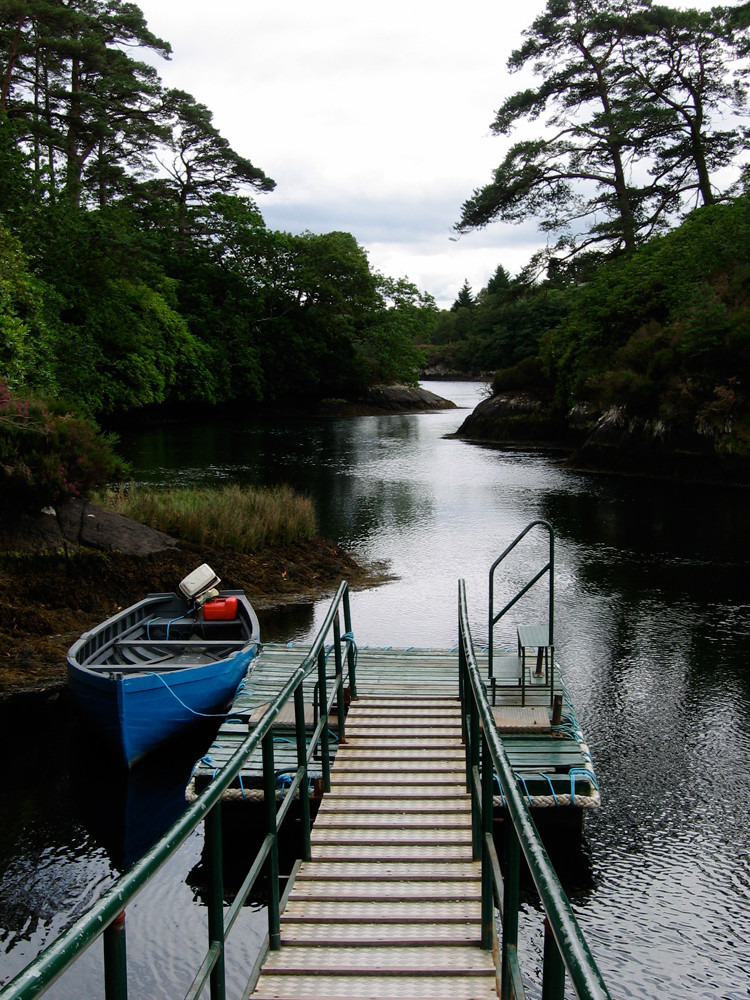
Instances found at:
x=154 y=669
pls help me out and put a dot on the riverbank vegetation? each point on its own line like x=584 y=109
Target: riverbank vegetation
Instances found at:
x=137 y=272
x=243 y=519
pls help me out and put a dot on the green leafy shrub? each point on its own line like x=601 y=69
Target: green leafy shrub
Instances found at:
x=48 y=453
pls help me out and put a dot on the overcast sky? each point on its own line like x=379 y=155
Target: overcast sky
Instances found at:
x=372 y=118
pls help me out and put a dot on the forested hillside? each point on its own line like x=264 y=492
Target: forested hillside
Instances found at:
x=135 y=266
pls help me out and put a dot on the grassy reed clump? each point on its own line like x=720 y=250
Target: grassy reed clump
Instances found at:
x=242 y=518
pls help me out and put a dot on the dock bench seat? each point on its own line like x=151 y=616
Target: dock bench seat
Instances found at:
x=536 y=638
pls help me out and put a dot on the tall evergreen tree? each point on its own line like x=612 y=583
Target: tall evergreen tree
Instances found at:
x=465 y=298
x=89 y=108
x=680 y=62
x=201 y=163
x=625 y=94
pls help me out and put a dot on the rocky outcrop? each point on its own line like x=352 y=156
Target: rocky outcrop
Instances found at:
x=613 y=441
x=513 y=418
x=77 y=523
x=381 y=399
x=620 y=441
x=406 y=399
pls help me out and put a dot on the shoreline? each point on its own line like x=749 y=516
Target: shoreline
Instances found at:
x=51 y=597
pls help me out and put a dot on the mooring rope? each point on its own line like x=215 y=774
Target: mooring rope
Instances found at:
x=194 y=711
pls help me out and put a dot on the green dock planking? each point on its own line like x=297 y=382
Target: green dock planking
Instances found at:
x=552 y=764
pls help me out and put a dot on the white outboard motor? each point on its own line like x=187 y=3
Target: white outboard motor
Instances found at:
x=200 y=585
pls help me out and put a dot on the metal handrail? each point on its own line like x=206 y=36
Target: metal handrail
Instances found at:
x=565 y=945
x=107 y=916
x=548 y=568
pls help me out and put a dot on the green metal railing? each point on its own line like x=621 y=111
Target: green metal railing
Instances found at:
x=549 y=567
x=565 y=948
x=107 y=917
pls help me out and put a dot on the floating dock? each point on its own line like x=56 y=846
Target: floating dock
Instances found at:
x=552 y=763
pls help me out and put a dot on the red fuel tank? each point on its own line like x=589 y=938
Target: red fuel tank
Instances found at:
x=220 y=609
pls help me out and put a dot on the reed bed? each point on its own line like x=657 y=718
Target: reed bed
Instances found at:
x=242 y=518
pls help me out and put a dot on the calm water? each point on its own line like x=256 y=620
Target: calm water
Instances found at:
x=652 y=628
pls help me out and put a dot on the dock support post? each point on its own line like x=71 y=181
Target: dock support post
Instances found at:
x=215 y=903
x=556 y=708
x=269 y=798
x=304 y=788
x=115 y=960
x=553 y=975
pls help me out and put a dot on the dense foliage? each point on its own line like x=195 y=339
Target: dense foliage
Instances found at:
x=662 y=334
x=135 y=266
x=637 y=115
x=666 y=332
x=49 y=453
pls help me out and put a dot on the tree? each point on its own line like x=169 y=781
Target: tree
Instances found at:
x=588 y=142
x=623 y=104
x=27 y=333
x=465 y=298
x=90 y=109
x=201 y=162
x=403 y=319
x=679 y=61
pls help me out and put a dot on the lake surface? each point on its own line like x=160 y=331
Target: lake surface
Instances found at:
x=652 y=629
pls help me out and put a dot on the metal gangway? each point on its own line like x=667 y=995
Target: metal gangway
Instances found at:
x=452 y=759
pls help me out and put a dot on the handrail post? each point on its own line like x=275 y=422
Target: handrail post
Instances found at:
x=269 y=797
x=491 y=642
x=325 y=751
x=488 y=909
x=304 y=788
x=340 y=707
x=476 y=805
x=351 y=658
x=553 y=975
x=510 y=903
x=551 y=613
x=549 y=568
x=214 y=866
x=115 y=960
x=463 y=693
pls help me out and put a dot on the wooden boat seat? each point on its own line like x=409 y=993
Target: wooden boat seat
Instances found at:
x=143 y=656
x=174 y=643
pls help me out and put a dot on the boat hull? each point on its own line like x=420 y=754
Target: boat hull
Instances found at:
x=137 y=707
x=135 y=715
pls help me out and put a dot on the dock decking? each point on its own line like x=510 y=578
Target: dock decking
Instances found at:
x=390 y=903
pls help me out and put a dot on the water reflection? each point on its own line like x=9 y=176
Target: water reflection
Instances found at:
x=132 y=809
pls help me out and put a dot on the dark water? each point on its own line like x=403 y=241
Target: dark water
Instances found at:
x=652 y=628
